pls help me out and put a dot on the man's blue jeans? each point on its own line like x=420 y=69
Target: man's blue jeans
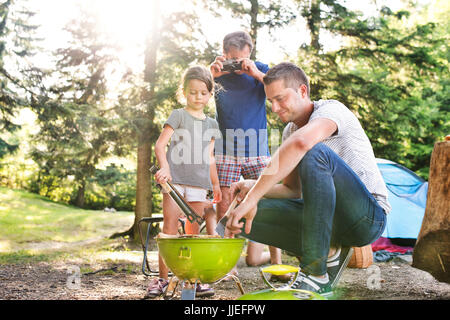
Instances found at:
x=336 y=209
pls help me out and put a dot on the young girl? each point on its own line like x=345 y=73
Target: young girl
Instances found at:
x=189 y=164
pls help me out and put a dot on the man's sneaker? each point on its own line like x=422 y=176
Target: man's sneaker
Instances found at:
x=310 y=283
x=337 y=263
x=204 y=290
x=156 y=288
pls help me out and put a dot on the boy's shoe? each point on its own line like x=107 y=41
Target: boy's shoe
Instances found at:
x=337 y=263
x=309 y=283
x=156 y=288
x=204 y=290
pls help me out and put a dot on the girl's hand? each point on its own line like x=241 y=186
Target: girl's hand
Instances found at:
x=163 y=175
x=217 y=194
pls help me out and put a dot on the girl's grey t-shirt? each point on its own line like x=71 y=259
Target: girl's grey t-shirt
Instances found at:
x=189 y=151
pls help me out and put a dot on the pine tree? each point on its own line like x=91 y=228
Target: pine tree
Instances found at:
x=17 y=41
x=76 y=131
x=256 y=15
x=382 y=71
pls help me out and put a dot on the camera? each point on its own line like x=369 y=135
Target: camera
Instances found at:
x=232 y=65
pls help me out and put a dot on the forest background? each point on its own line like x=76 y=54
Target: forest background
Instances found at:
x=85 y=86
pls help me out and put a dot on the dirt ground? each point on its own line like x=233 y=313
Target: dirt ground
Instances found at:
x=118 y=280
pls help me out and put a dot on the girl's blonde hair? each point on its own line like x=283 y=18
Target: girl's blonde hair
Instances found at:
x=198 y=73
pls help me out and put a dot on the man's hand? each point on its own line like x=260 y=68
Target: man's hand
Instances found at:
x=241 y=188
x=216 y=67
x=246 y=208
x=249 y=67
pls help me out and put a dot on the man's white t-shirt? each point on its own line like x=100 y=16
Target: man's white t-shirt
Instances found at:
x=351 y=143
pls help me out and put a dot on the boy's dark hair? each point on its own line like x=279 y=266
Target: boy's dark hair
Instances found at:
x=291 y=75
x=238 y=39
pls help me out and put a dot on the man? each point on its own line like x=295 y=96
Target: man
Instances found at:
x=332 y=195
x=241 y=114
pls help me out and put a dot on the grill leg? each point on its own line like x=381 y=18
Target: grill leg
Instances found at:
x=145 y=264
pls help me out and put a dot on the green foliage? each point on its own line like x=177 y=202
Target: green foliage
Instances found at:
x=114 y=187
x=6 y=148
x=77 y=130
x=16 y=44
x=391 y=75
x=256 y=15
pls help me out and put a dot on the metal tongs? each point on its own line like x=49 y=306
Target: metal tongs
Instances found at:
x=222 y=224
x=191 y=215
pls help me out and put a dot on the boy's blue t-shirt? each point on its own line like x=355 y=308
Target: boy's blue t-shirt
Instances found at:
x=241 y=113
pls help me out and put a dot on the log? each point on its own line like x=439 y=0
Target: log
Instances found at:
x=432 y=249
x=362 y=257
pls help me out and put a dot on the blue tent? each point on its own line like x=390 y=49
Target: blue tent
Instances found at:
x=407 y=196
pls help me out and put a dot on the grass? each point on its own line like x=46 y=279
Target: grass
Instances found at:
x=26 y=256
x=27 y=217
x=30 y=224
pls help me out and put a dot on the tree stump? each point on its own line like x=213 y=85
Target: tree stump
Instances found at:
x=432 y=249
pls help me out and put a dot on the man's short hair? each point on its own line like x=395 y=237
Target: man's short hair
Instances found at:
x=291 y=75
x=238 y=39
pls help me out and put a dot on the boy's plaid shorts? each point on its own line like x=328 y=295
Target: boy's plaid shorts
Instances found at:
x=230 y=169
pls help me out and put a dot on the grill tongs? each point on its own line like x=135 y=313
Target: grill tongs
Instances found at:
x=176 y=196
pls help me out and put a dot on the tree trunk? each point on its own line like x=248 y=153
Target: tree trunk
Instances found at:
x=432 y=249
x=254 y=26
x=143 y=184
x=313 y=21
x=79 y=201
x=147 y=135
